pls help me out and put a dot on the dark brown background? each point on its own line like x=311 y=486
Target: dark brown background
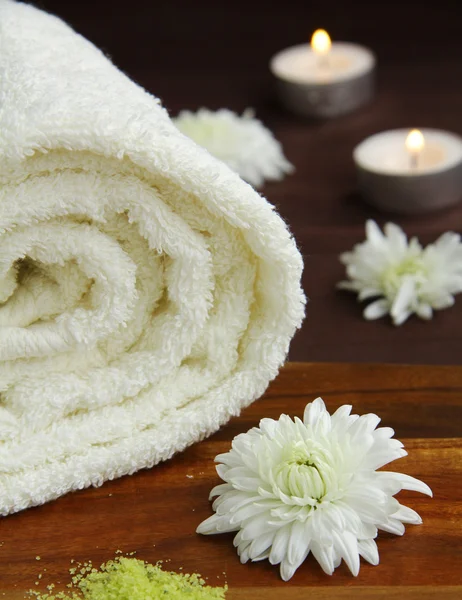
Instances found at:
x=215 y=54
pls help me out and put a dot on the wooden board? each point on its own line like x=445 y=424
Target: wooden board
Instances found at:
x=155 y=512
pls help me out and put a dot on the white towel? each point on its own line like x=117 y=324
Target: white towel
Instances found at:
x=147 y=294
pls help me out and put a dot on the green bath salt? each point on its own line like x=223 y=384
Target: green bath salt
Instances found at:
x=133 y=579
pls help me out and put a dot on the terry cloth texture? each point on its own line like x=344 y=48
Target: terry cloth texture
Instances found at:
x=147 y=293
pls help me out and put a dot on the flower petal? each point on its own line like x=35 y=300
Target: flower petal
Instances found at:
x=392 y=526
x=215 y=524
x=324 y=556
x=222 y=488
x=403 y=299
x=251 y=528
x=261 y=544
x=442 y=299
x=230 y=459
x=369 y=292
x=383 y=453
x=368 y=550
x=376 y=309
x=268 y=427
x=313 y=412
x=349 y=286
x=362 y=427
x=374 y=234
x=247 y=511
x=347 y=544
x=299 y=541
x=243 y=551
x=280 y=543
x=230 y=500
x=424 y=311
x=407 y=515
x=287 y=570
x=397 y=237
x=406 y=482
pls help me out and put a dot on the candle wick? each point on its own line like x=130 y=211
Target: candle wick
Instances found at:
x=414 y=160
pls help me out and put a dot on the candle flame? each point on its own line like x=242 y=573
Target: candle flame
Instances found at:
x=415 y=141
x=320 y=42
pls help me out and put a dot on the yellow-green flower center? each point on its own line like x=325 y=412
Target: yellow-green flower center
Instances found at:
x=392 y=277
x=206 y=132
x=301 y=473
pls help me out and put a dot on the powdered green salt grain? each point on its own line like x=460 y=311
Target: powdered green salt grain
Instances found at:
x=133 y=579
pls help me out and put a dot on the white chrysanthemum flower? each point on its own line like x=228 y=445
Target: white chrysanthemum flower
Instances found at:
x=296 y=487
x=404 y=277
x=242 y=142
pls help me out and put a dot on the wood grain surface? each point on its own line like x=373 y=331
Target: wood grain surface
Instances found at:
x=155 y=512
x=216 y=54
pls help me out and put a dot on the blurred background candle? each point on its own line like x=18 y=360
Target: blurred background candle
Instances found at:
x=410 y=171
x=324 y=79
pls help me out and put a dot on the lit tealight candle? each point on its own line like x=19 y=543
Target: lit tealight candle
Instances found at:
x=324 y=78
x=410 y=171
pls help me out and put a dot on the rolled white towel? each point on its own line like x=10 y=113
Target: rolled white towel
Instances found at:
x=147 y=293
